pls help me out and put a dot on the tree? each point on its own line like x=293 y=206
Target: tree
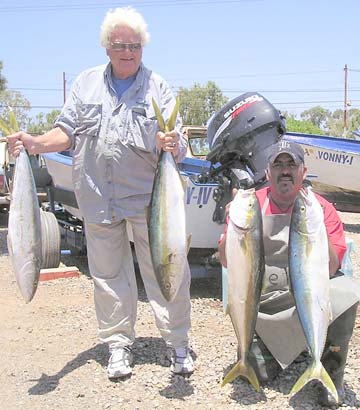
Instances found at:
x=306 y=127
x=317 y=116
x=318 y=120
x=198 y=103
x=42 y=123
x=14 y=100
x=335 y=126
x=2 y=79
x=353 y=122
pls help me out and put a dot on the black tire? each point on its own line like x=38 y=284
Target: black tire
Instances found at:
x=51 y=239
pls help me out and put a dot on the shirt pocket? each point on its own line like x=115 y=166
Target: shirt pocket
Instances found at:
x=143 y=128
x=89 y=119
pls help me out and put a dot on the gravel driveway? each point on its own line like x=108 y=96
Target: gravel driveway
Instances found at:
x=51 y=358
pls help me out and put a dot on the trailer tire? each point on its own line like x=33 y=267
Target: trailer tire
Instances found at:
x=51 y=239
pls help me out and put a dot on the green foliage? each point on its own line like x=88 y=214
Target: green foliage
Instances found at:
x=42 y=122
x=198 y=103
x=2 y=79
x=307 y=127
x=335 y=127
x=318 y=120
x=316 y=115
x=353 y=122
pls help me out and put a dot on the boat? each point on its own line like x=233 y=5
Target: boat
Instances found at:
x=333 y=165
x=199 y=202
x=333 y=168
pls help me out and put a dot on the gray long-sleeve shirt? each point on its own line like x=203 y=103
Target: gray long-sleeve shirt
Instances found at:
x=114 y=144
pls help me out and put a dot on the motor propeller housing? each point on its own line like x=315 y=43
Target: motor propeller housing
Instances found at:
x=240 y=137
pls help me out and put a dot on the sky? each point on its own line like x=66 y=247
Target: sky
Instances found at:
x=293 y=52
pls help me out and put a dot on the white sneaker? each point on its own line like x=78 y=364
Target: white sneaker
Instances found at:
x=120 y=362
x=181 y=361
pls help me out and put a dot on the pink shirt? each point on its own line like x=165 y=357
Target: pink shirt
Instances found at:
x=334 y=226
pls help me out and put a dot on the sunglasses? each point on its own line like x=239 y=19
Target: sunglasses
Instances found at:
x=123 y=46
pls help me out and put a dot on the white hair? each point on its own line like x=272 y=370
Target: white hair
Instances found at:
x=123 y=16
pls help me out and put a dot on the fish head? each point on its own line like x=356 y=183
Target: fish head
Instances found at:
x=307 y=214
x=167 y=272
x=244 y=209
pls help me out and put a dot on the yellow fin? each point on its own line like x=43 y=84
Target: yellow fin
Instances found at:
x=13 y=122
x=170 y=124
x=315 y=372
x=172 y=120
x=245 y=371
x=159 y=117
x=4 y=127
x=12 y=126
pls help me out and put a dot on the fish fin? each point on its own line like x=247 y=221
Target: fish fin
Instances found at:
x=165 y=286
x=245 y=371
x=263 y=286
x=159 y=117
x=13 y=122
x=4 y=127
x=189 y=242
x=315 y=371
x=328 y=383
x=172 y=120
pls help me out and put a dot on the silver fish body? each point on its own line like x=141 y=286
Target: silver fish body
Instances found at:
x=245 y=267
x=309 y=277
x=24 y=228
x=167 y=227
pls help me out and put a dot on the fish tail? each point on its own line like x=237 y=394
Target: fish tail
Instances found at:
x=315 y=371
x=245 y=371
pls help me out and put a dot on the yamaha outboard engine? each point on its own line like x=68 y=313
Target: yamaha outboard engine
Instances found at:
x=240 y=137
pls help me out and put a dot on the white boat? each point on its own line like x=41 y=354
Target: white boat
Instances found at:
x=199 y=202
x=334 y=167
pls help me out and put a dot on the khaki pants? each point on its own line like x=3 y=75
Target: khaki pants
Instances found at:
x=115 y=289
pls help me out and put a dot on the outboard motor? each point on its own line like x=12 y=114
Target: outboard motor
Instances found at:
x=240 y=137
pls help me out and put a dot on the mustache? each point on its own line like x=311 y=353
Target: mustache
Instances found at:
x=285 y=176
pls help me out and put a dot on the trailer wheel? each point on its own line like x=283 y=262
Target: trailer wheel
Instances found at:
x=50 y=238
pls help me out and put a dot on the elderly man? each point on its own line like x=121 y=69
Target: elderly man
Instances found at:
x=109 y=122
x=278 y=341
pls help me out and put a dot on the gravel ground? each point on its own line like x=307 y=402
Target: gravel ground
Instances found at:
x=51 y=357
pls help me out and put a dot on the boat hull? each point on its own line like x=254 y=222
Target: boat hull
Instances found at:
x=199 y=202
x=333 y=166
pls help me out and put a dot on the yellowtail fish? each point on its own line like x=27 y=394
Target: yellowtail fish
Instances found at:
x=24 y=225
x=24 y=228
x=309 y=276
x=245 y=268
x=166 y=219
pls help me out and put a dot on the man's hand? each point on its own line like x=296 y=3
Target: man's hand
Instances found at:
x=18 y=141
x=168 y=141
